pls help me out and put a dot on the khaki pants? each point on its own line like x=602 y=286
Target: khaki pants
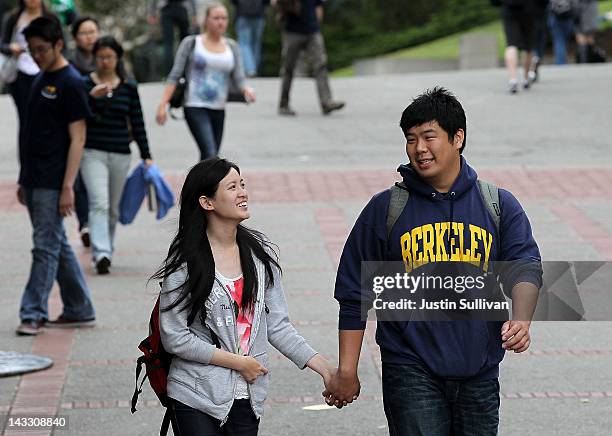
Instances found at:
x=313 y=44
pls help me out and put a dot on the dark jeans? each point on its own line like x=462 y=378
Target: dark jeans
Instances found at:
x=187 y=421
x=173 y=15
x=81 y=204
x=417 y=403
x=206 y=126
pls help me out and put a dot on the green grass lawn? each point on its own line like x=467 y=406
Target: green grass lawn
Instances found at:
x=448 y=47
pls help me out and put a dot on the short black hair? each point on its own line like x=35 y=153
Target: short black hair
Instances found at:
x=80 y=20
x=47 y=28
x=437 y=104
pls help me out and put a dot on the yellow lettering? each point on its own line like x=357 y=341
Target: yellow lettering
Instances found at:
x=417 y=255
x=487 y=239
x=440 y=229
x=406 y=256
x=428 y=243
x=474 y=256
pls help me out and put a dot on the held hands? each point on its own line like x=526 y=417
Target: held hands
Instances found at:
x=342 y=389
x=515 y=335
x=250 y=369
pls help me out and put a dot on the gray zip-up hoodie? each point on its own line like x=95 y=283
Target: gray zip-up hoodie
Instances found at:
x=193 y=380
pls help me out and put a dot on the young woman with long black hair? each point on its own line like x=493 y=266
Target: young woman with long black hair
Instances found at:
x=117 y=119
x=222 y=303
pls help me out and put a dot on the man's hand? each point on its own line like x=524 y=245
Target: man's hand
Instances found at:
x=66 y=201
x=342 y=389
x=515 y=335
x=21 y=196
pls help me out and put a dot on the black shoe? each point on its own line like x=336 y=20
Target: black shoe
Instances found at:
x=332 y=106
x=286 y=111
x=29 y=327
x=103 y=265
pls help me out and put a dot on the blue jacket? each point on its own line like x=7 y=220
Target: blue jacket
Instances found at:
x=451 y=350
x=135 y=190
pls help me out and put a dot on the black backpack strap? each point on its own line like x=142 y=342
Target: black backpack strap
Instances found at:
x=138 y=389
x=490 y=196
x=215 y=338
x=163 y=431
x=397 y=203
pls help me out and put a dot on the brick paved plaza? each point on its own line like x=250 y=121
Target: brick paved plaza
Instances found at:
x=308 y=179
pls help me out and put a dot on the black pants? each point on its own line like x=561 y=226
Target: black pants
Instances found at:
x=81 y=202
x=173 y=15
x=187 y=421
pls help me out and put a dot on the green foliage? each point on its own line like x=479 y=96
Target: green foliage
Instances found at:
x=355 y=29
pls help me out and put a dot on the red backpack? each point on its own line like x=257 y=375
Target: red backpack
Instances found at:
x=157 y=365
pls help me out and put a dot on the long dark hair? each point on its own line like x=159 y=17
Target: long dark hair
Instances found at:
x=191 y=246
x=111 y=42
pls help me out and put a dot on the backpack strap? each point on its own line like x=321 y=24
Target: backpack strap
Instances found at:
x=138 y=390
x=490 y=196
x=163 y=431
x=397 y=203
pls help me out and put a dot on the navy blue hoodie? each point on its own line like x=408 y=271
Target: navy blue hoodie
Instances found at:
x=451 y=350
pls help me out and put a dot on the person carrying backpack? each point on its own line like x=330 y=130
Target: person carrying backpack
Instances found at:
x=438 y=377
x=221 y=304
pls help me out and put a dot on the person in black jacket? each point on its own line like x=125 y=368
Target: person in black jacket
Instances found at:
x=117 y=118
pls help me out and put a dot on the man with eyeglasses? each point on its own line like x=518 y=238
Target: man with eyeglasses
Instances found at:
x=50 y=153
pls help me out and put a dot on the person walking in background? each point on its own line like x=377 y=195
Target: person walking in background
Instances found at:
x=302 y=32
x=117 y=117
x=561 y=24
x=217 y=269
x=250 y=23
x=50 y=152
x=539 y=44
x=85 y=32
x=518 y=19
x=173 y=14
x=586 y=15
x=14 y=44
x=212 y=66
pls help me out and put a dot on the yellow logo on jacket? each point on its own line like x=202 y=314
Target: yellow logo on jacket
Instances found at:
x=446 y=242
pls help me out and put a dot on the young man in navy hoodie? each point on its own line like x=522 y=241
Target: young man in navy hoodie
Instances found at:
x=439 y=377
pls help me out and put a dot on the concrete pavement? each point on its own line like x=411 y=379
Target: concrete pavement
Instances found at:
x=309 y=177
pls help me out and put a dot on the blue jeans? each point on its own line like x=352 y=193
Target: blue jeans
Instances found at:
x=52 y=259
x=560 y=30
x=206 y=126
x=417 y=403
x=250 y=31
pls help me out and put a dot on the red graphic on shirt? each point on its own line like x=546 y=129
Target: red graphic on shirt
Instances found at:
x=244 y=321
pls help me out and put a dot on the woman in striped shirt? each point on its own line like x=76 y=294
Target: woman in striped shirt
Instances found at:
x=116 y=121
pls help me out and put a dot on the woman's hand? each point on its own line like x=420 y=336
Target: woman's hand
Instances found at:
x=162 y=114
x=16 y=49
x=101 y=90
x=249 y=94
x=147 y=162
x=250 y=369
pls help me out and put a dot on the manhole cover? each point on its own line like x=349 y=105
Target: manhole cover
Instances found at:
x=12 y=363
